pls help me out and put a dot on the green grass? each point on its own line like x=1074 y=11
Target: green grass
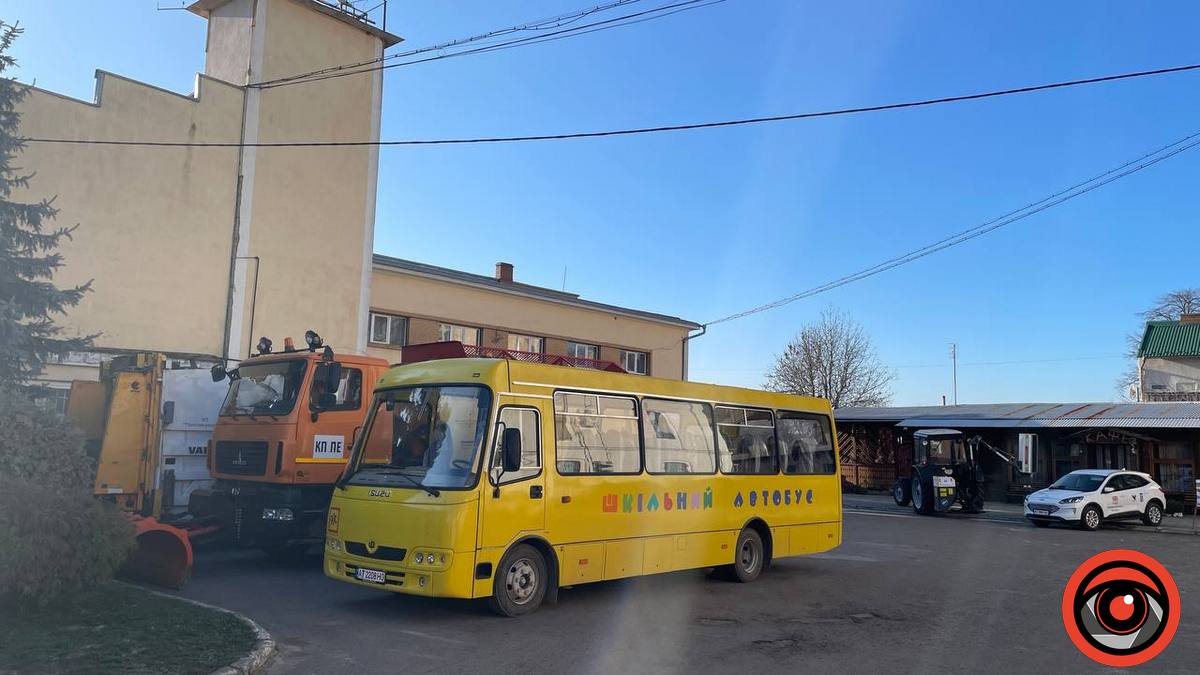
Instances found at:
x=119 y=628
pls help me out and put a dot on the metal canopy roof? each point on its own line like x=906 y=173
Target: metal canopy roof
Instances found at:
x=1166 y=339
x=1179 y=415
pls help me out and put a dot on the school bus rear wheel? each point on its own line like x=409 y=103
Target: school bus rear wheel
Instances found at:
x=749 y=556
x=520 y=582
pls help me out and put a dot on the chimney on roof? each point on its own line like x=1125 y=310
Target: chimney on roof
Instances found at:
x=504 y=272
x=1189 y=318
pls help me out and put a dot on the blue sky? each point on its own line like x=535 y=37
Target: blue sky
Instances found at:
x=703 y=224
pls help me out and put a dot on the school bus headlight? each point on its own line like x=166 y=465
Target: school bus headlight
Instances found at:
x=420 y=558
x=334 y=545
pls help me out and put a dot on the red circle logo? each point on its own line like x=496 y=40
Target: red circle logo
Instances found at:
x=1121 y=608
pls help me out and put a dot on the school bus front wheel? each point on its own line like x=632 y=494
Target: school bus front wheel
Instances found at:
x=520 y=582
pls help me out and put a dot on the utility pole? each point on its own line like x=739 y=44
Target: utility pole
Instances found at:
x=954 y=368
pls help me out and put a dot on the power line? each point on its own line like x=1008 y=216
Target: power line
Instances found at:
x=1116 y=173
x=557 y=21
x=616 y=22
x=529 y=25
x=627 y=132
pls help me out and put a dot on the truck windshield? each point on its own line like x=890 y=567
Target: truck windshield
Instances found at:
x=429 y=436
x=265 y=388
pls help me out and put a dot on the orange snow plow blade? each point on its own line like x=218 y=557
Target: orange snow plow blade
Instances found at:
x=163 y=556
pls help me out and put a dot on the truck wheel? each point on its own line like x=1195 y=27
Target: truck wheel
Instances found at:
x=902 y=492
x=1091 y=518
x=1153 y=515
x=520 y=583
x=922 y=497
x=749 y=556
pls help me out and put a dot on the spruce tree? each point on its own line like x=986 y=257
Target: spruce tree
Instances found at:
x=29 y=300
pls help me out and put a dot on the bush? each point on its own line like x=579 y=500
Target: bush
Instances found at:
x=37 y=445
x=57 y=538
x=57 y=542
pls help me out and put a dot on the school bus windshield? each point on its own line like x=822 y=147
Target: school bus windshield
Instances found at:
x=430 y=436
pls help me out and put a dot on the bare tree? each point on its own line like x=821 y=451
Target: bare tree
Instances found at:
x=833 y=358
x=1169 y=307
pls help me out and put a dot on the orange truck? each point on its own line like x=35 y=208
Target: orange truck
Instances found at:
x=282 y=438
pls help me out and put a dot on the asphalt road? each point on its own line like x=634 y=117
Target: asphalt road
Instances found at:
x=902 y=594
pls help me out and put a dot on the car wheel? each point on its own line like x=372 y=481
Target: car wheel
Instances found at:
x=520 y=582
x=1041 y=523
x=1153 y=515
x=1091 y=518
x=922 y=498
x=902 y=492
x=749 y=556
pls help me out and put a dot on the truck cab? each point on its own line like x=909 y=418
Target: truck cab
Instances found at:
x=281 y=440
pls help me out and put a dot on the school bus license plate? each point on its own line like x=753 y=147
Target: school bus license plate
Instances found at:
x=373 y=576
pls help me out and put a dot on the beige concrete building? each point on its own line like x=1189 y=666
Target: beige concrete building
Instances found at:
x=197 y=251
x=415 y=303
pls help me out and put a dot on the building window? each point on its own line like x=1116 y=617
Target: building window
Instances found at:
x=53 y=400
x=580 y=350
x=463 y=334
x=388 y=330
x=526 y=343
x=635 y=362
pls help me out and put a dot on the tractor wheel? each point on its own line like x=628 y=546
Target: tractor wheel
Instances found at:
x=1091 y=518
x=902 y=492
x=974 y=502
x=1154 y=514
x=922 y=497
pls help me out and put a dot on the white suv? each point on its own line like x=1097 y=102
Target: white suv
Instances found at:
x=1089 y=497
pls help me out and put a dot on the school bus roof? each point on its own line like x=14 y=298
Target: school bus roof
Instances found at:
x=541 y=379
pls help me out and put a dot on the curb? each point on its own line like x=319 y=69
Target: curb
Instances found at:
x=993 y=517
x=256 y=660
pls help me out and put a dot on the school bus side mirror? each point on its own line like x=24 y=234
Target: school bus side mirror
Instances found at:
x=511 y=449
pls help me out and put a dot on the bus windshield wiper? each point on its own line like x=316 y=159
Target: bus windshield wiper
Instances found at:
x=432 y=491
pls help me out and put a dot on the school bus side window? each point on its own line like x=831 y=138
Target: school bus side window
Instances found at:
x=525 y=419
x=679 y=437
x=596 y=434
x=746 y=440
x=805 y=443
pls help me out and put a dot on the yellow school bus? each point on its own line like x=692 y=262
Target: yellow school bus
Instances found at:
x=500 y=479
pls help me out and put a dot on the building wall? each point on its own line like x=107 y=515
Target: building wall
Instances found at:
x=428 y=302
x=1169 y=376
x=311 y=210
x=158 y=226
x=153 y=224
